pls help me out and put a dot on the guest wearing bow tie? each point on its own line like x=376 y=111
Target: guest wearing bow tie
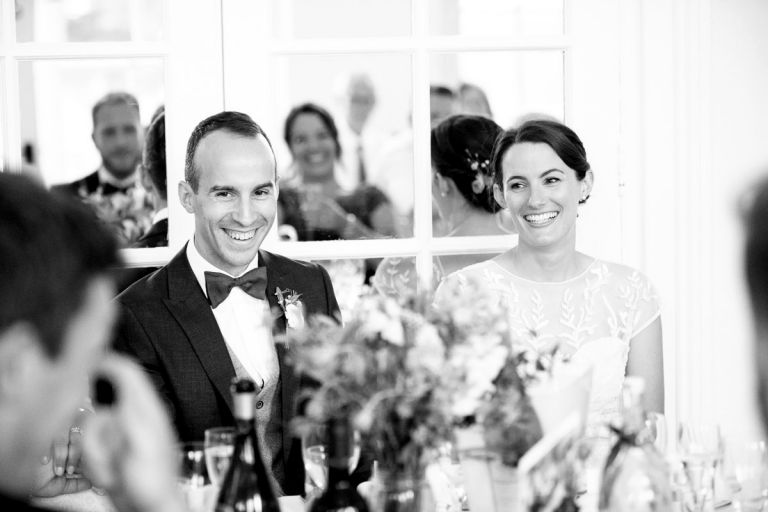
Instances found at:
x=114 y=190
x=198 y=322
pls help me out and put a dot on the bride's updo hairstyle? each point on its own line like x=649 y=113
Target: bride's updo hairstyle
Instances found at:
x=559 y=137
x=461 y=150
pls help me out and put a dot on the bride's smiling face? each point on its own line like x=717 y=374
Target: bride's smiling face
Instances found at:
x=541 y=192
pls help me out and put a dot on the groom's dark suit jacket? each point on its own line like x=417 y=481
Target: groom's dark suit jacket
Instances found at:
x=167 y=324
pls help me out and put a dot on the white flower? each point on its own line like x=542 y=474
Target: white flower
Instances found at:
x=294 y=315
x=428 y=351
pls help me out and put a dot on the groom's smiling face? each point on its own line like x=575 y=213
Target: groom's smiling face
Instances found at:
x=236 y=199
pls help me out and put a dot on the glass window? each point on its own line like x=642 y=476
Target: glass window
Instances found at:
x=89 y=20
x=64 y=147
x=357 y=184
x=496 y=17
x=341 y=18
x=507 y=87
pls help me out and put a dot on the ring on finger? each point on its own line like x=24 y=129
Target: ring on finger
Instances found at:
x=75 y=430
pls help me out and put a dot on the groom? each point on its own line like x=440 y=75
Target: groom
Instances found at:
x=194 y=327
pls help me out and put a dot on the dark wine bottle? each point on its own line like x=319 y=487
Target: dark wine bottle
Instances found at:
x=341 y=495
x=246 y=486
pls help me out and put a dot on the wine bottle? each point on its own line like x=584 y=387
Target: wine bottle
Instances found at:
x=340 y=495
x=246 y=486
x=636 y=476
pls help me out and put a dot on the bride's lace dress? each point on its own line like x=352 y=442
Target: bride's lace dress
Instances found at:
x=592 y=316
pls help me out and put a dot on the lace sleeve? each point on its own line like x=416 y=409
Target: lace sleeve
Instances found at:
x=648 y=307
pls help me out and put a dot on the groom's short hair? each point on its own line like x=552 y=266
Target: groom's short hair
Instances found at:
x=230 y=121
x=51 y=246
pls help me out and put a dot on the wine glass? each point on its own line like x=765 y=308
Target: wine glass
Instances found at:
x=700 y=448
x=747 y=465
x=193 y=477
x=314 y=449
x=656 y=425
x=219 y=446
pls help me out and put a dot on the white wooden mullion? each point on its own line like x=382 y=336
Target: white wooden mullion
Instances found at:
x=407 y=44
x=89 y=50
x=10 y=124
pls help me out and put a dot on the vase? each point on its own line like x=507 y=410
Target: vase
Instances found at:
x=406 y=491
x=490 y=484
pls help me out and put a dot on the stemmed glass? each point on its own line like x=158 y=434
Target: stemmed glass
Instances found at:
x=314 y=452
x=700 y=449
x=193 y=477
x=219 y=447
x=747 y=464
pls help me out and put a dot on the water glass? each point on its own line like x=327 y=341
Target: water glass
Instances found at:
x=193 y=477
x=656 y=424
x=700 y=448
x=747 y=466
x=219 y=446
x=314 y=451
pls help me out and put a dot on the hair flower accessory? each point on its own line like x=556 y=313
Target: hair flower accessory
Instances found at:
x=292 y=307
x=483 y=178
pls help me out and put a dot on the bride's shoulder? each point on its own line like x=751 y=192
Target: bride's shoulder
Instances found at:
x=619 y=272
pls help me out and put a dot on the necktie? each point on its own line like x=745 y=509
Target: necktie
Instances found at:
x=361 y=174
x=218 y=286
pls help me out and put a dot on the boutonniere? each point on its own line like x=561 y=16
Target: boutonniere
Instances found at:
x=293 y=308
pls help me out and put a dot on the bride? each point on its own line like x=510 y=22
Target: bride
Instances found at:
x=600 y=313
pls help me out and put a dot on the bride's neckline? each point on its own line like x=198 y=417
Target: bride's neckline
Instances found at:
x=564 y=281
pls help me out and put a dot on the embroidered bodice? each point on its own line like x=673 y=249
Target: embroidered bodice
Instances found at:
x=592 y=316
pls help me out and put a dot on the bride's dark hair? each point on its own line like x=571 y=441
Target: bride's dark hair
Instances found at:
x=461 y=150
x=556 y=135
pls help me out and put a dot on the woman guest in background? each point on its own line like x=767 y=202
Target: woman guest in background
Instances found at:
x=312 y=205
x=462 y=196
x=603 y=314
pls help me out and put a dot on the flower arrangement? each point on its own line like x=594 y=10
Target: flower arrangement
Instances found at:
x=410 y=371
x=128 y=215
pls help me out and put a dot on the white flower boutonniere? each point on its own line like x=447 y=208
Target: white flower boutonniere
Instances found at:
x=293 y=308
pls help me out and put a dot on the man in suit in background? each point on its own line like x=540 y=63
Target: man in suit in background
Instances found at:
x=114 y=189
x=191 y=336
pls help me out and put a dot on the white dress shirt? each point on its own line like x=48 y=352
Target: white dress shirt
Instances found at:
x=244 y=322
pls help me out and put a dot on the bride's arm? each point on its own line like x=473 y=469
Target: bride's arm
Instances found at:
x=646 y=359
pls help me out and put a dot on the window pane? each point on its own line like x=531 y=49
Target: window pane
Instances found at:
x=62 y=146
x=507 y=87
x=342 y=18
x=367 y=190
x=496 y=17
x=89 y=20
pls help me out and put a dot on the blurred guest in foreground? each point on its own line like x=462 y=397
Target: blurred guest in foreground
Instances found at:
x=56 y=316
x=756 y=260
x=601 y=313
x=313 y=203
x=114 y=190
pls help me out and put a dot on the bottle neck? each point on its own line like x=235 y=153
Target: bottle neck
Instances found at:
x=243 y=407
x=339 y=449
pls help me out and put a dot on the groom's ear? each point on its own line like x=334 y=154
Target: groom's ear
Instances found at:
x=186 y=196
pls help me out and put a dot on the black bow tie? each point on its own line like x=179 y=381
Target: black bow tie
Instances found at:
x=108 y=189
x=218 y=286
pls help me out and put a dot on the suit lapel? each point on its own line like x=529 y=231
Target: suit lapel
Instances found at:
x=276 y=277
x=189 y=306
